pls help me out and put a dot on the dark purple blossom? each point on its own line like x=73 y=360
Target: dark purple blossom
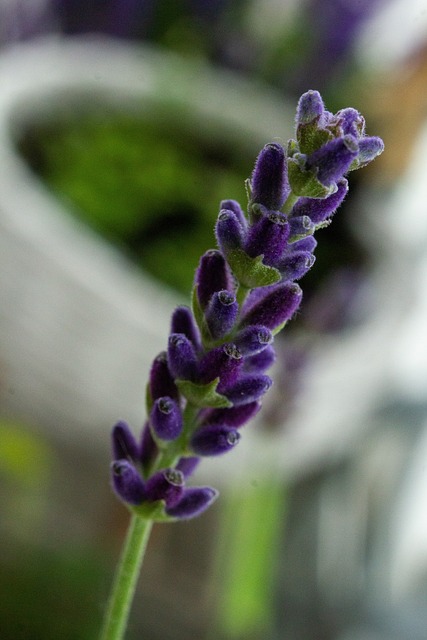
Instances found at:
x=214 y=440
x=229 y=231
x=253 y=339
x=166 y=418
x=124 y=444
x=127 y=482
x=268 y=237
x=221 y=314
x=275 y=307
x=182 y=321
x=182 y=358
x=213 y=274
x=269 y=182
x=167 y=485
x=161 y=382
x=319 y=210
x=194 y=501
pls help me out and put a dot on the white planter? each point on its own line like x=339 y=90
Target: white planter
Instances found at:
x=79 y=324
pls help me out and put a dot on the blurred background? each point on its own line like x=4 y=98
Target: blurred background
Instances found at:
x=123 y=123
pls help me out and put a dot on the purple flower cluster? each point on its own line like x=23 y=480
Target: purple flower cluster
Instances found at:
x=211 y=379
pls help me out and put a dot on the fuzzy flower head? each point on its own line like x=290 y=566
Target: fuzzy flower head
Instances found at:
x=327 y=147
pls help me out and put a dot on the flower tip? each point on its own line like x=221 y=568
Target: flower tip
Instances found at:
x=194 y=502
x=310 y=107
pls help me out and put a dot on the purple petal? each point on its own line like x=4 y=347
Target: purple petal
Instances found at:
x=167 y=485
x=194 y=501
x=296 y=264
x=253 y=339
x=181 y=357
x=269 y=182
x=234 y=206
x=351 y=122
x=300 y=226
x=224 y=362
x=183 y=322
x=310 y=107
x=213 y=274
x=234 y=417
x=214 y=440
x=187 y=465
x=228 y=231
x=333 y=160
x=319 y=210
x=268 y=237
x=161 y=381
x=276 y=307
x=124 y=444
x=248 y=388
x=166 y=418
x=309 y=243
x=221 y=313
x=369 y=149
x=127 y=483
x=260 y=361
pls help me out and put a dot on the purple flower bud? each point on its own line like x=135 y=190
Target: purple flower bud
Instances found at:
x=253 y=339
x=193 y=502
x=295 y=265
x=183 y=322
x=181 y=357
x=127 y=483
x=310 y=106
x=213 y=274
x=187 y=465
x=167 y=485
x=309 y=243
x=333 y=160
x=318 y=209
x=161 y=381
x=248 y=388
x=351 y=122
x=234 y=206
x=275 y=307
x=260 y=361
x=300 y=226
x=148 y=448
x=213 y=440
x=233 y=417
x=224 y=362
x=124 y=444
x=268 y=237
x=221 y=313
x=369 y=148
x=269 y=182
x=228 y=231
x=166 y=418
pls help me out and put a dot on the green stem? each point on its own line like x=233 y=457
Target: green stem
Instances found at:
x=290 y=201
x=241 y=294
x=125 y=582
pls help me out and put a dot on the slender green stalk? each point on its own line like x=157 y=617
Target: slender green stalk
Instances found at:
x=290 y=201
x=126 y=579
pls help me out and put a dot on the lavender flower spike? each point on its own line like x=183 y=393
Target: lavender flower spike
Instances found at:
x=211 y=380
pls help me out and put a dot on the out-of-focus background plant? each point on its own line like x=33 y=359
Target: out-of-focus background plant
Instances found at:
x=106 y=201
